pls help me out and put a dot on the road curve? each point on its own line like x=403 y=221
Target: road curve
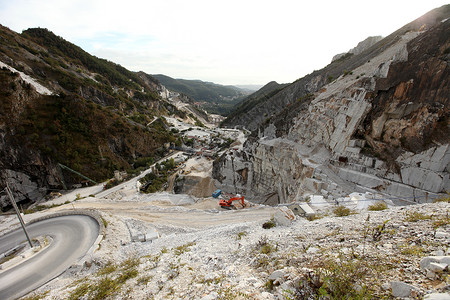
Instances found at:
x=72 y=235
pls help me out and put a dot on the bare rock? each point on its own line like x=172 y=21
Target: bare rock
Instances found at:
x=276 y=275
x=426 y=261
x=401 y=289
x=284 y=216
x=437 y=267
x=437 y=296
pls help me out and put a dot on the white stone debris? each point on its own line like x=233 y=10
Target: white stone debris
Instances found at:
x=28 y=79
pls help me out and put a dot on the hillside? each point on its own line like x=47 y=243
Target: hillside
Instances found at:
x=312 y=83
x=251 y=101
x=62 y=105
x=381 y=126
x=214 y=98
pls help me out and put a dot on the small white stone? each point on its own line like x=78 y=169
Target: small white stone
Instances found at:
x=438 y=253
x=211 y=296
x=312 y=250
x=437 y=296
x=276 y=275
x=437 y=267
x=441 y=234
x=266 y=295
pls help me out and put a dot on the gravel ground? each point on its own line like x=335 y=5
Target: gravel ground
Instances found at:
x=207 y=253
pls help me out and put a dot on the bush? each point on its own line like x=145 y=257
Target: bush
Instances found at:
x=378 y=206
x=416 y=216
x=342 y=211
x=340 y=278
x=264 y=246
x=269 y=224
x=445 y=198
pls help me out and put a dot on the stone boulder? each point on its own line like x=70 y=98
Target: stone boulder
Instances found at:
x=284 y=216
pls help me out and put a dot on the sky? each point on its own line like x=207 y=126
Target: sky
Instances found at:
x=226 y=42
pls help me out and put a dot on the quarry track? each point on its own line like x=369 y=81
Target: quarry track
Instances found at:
x=198 y=215
x=71 y=238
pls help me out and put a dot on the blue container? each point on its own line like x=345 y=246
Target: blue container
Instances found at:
x=216 y=193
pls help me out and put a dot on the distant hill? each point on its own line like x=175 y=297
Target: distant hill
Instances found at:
x=214 y=98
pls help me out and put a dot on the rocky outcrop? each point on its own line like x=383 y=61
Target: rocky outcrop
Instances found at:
x=268 y=172
x=361 y=47
x=196 y=186
x=381 y=127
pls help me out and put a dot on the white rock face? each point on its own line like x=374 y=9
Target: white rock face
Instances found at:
x=329 y=159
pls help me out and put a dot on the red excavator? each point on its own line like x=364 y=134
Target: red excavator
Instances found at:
x=228 y=203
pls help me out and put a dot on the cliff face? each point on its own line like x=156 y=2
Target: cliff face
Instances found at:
x=383 y=126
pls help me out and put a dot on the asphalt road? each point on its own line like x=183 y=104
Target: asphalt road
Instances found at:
x=72 y=237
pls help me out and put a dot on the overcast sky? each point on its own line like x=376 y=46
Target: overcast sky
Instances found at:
x=227 y=42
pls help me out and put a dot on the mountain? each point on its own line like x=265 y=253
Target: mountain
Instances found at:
x=375 y=122
x=313 y=82
x=214 y=98
x=252 y=100
x=362 y=46
x=61 y=105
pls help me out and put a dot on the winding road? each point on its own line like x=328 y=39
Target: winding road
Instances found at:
x=72 y=236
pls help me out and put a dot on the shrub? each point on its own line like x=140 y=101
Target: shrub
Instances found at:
x=144 y=279
x=108 y=268
x=241 y=234
x=340 y=278
x=112 y=278
x=264 y=246
x=342 y=211
x=314 y=217
x=183 y=248
x=377 y=206
x=416 y=216
x=412 y=250
x=337 y=278
x=269 y=224
x=445 y=198
x=441 y=221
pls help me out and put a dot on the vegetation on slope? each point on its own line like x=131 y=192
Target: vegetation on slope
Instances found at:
x=101 y=117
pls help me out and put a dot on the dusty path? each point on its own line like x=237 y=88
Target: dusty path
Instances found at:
x=204 y=213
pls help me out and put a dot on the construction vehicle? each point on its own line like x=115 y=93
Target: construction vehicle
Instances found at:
x=228 y=203
x=216 y=193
